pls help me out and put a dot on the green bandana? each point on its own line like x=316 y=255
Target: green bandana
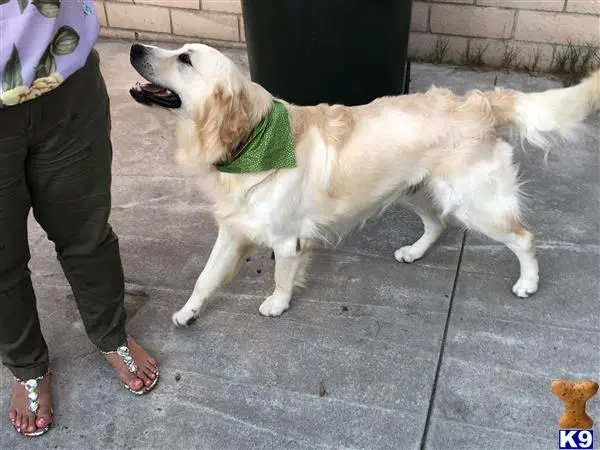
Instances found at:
x=270 y=146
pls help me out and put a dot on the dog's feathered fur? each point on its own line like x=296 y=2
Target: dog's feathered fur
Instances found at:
x=436 y=152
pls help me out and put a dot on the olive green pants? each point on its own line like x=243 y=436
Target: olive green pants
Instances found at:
x=55 y=158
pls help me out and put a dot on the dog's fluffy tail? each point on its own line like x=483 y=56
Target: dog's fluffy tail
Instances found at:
x=553 y=111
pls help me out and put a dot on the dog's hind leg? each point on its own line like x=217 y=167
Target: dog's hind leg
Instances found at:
x=290 y=262
x=521 y=242
x=221 y=267
x=486 y=199
x=433 y=226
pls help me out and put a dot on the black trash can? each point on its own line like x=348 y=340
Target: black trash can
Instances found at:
x=335 y=51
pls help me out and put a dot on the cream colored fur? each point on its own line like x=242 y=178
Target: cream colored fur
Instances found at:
x=435 y=152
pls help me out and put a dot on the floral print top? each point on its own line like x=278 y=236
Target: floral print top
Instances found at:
x=42 y=42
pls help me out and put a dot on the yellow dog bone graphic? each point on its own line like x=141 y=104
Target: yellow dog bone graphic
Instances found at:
x=574 y=395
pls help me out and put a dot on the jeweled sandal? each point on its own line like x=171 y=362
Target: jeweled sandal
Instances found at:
x=123 y=352
x=31 y=386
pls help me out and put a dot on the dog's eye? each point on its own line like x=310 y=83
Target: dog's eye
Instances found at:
x=185 y=59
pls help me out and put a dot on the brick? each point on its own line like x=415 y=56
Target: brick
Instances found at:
x=535 y=57
x=420 y=16
x=510 y=54
x=146 y=36
x=496 y=53
x=557 y=28
x=471 y=21
x=223 y=44
x=205 y=25
x=422 y=46
x=101 y=13
x=113 y=33
x=138 y=17
x=186 y=4
x=548 y=5
x=470 y=2
x=230 y=6
x=584 y=6
x=513 y=54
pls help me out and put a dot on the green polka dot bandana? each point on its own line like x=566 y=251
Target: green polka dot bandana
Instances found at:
x=270 y=146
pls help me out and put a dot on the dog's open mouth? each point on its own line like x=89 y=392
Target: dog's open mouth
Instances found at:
x=153 y=94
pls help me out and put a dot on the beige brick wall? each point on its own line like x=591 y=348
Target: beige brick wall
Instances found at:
x=531 y=34
x=216 y=21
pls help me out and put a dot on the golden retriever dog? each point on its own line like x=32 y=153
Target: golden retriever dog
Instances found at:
x=435 y=152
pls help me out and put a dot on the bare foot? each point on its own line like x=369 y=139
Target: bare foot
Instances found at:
x=147 y=369
x=20 y=415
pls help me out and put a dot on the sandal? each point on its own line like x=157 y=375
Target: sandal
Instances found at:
x=31 y=386
x=123 y=352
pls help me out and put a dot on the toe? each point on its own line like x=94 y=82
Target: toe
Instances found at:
x=12 y=415
x=132 y=380
x=135 y=383
x=151 y=369
x=31 y=425
x=42 y=422
x=150 y=373
x=25 y=426
x=152 y=362
x=149 y=365
x=18 y=420
x=143 y=374
x=44 y=418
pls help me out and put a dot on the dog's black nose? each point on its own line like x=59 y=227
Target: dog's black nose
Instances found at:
x=137 y=51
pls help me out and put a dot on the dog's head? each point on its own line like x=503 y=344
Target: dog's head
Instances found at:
x=203 y=85
x=182 y=78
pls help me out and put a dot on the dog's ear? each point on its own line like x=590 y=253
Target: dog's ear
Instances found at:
x=234 y=115
x=223 y=120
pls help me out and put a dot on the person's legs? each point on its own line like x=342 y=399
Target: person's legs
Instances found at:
x=69 y=174
x=22 y=346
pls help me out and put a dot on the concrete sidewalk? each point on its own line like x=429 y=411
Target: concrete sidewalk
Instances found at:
x=373 y=354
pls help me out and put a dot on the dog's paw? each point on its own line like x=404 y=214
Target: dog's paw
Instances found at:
x=274 y=306
x=524 y=287
x=184 y=317
x=407 y=254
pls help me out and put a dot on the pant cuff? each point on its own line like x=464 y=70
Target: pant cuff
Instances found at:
x=111 y=343
x=27 y=373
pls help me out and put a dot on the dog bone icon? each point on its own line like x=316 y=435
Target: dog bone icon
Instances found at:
x=574 y=394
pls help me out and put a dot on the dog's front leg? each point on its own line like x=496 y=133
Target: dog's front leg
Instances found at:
x=220 y=268
x=289 y=258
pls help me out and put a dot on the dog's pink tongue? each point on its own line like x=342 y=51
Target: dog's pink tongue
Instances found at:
x=153 y=89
